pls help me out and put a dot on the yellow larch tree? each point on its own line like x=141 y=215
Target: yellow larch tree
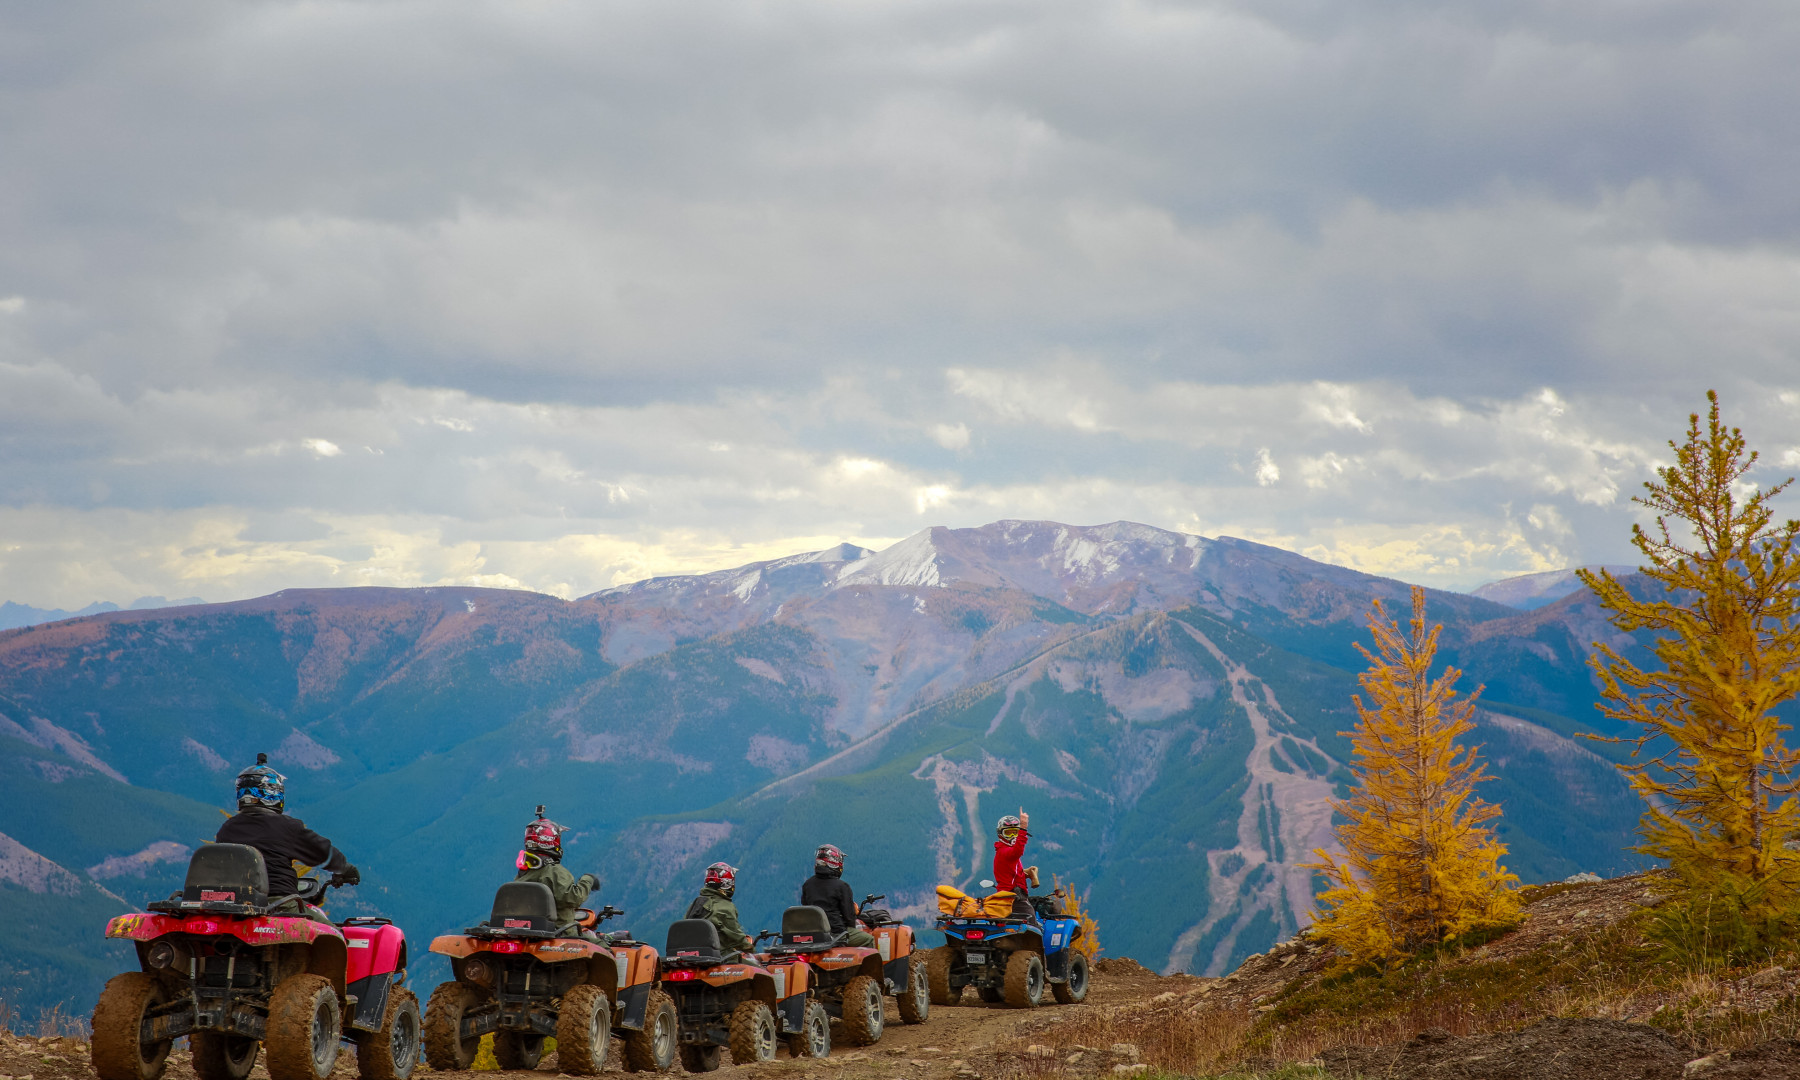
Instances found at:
x=1419 y=863
x=1709 y=758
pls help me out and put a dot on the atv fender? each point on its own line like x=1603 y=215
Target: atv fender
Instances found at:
x=897 y=974
x=792 y=1014
x=630 y=1006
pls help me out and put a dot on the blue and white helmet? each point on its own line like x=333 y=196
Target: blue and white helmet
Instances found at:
x=260 y=785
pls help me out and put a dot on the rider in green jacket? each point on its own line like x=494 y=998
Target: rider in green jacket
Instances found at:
x=715 y=906
x=541 y=861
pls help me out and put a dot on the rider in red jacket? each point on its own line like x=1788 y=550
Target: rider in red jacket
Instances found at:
x=1009 y=852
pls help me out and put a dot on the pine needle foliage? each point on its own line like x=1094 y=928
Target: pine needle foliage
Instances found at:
x=1420 y=866
x=1709 y=758
x=1074 y=905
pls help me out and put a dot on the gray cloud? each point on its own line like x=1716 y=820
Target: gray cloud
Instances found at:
x=565 y=293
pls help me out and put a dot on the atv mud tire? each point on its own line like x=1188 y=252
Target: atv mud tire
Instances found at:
x=1074 y=991
x=915 y=1003
x=444 y=1050
x=653 y=1048
x=752 y=1033
x=814 y=1039
x=583 y=1031
x=864 y=1014
x=305 y=1025
x=518 y=1051
x=937 y=974
x=699 y=1059
x=218 y=1056
x=1024 y=980
x=393 y=1052
x=118 y=1021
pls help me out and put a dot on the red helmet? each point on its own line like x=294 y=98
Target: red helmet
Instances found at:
x=723 y=876
x=544 y=836
x=828 y=858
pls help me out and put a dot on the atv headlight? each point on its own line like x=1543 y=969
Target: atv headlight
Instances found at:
x=160 y=955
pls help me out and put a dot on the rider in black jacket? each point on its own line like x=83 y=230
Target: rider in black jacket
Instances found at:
x=827 y=889
x=260 y=823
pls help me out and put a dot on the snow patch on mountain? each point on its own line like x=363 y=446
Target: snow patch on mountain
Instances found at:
x=139 y=863
x=32 y=872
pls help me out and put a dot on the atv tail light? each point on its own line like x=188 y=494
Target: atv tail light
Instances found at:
x=160 y=955
x=680 y=976
x=975 y=935
x=507 y=946
x=201 y=926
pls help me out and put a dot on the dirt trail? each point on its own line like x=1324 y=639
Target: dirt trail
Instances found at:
x=956 y=1043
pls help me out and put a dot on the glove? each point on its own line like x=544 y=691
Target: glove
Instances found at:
x=351 y=875
x=588 y=881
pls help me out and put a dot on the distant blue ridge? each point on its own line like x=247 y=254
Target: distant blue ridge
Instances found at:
x=13 y=616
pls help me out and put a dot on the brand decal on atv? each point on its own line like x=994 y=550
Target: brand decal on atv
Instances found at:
x=226 y=897
x=728 y=971
x=523 y=924
x=354 y=943
x=803 y=937
x=273 y=930
x=839 y=959
x=688 y=952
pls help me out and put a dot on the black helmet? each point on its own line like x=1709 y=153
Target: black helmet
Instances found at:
x=260 y=785
x=828 y=861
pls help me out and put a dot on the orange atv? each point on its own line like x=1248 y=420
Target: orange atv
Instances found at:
x=851 y=980
x=737 y=1002
x=522 y=977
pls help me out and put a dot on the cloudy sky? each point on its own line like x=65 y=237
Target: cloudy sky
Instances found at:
x=564 y=293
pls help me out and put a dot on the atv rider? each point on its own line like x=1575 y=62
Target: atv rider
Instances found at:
x=541 y=861
x=1009 y=852
x=261 y=823
x=715 y=906
x=827 y=889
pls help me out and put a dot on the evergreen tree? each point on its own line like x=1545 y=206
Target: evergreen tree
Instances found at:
x=1419 y=864
x=1709 y=758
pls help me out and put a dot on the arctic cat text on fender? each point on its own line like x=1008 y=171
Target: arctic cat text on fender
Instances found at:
x=524 y=978
x=218 y=967
x=1008 y=947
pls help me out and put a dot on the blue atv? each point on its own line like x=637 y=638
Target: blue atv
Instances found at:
x=1008 y=947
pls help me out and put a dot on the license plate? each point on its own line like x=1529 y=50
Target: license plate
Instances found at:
x=976 y=957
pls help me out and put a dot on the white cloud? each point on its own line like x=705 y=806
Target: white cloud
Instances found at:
x=322 y=447
x=951 y=436
x=1267 y=473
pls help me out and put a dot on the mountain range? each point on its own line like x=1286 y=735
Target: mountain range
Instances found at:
x=1168 y=707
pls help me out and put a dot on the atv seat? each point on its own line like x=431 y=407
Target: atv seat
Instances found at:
x=695 y=942
x=806 y=928
x=521 y=909
x=227 y=878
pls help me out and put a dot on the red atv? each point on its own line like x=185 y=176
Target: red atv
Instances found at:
x=217 y=967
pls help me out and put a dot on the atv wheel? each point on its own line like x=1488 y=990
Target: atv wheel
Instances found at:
x=937 y=974
x=1074 y=991
x=119 y=1052
x=915 y=1004
x=752 y=1033
x=518 y=1051
x=583 y=1031
x=814 y=1039
x=1024 y=980
x=445 y=1049
x=393 y=1052
x=304 y=1028
x=218 y=1056
x=864 y=1015
x=699 y=1059
x=653 y=1048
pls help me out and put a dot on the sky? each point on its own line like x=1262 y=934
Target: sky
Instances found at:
x=560 y=295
